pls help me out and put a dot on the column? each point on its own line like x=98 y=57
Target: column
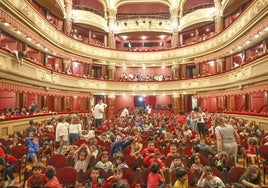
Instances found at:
x=67 y=25
x=265 y=44
x=175 y=22
x=219 y=65
x=231 y=103
x=218 y=16
x=180 y=40
x=111 y=23
x=177 y=103
x=183 y=71
x=111 y=103
x=104 y=72
x=196 y=34
x=67 y=65
x=243 y=57
x=197 y=68
x=175 y=72
x=111 y=71
x=89 y=36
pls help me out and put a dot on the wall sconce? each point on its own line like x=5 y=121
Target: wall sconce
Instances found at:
x=150 y=22
x=125 y=23
x=160 y=23
x=144 y=21
x=137 y=23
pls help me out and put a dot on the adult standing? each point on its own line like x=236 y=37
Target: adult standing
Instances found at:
x=194 y=118
x=125 y=112
x=99 y=110
x=201 y=116
x=61 y=133
x=75 y=129
x=226 y=137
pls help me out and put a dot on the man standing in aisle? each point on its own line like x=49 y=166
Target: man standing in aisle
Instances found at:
x=99 y=112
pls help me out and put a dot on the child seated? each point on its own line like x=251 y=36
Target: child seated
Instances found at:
x=37 y=179
x=11 y=163
x=207 y=179
x=221 y=161
x=115 y=178
x=172 y=150
x=197 y=166
x=251 y=151
x=81 y=158
x=95 y=181
x=176 y=163
x=52 y=179
x=104 y=163
x=182 y=178
x=156 y=177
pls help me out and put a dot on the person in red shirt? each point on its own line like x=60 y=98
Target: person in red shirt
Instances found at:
x=53 y=181
x=37 y=179
x=11 y=163
x=156 y=177
x=156 y=158
x=115 y=178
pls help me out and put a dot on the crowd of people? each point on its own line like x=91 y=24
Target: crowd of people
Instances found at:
x=139 y=77
x=157 y=145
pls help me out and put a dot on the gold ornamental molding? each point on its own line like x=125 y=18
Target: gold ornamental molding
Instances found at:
x=33 y=74
x=58 y=41
x=89 y=18
x=198 y=16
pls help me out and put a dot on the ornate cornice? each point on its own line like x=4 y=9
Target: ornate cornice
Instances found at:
x=29 y=73
x=89 y=18
x=247 y=21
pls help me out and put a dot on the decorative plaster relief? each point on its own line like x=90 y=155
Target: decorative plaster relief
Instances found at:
x=92 y=85
x=47 y=77
x=3 y=62
x=240 y=75
x=144 y=87
x=70 y=45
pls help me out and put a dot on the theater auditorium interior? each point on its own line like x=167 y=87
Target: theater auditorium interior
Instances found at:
x=144 y=83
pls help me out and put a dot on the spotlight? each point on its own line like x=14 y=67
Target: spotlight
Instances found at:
x=125 y=23
x=144 y=21
x=137 y=23
x=150 y=22
x=160 y=23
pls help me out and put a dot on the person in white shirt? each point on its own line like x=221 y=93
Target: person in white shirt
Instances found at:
x=201 y=118
x=61 y=133
x=125 y=112
x=75 y=129
x=207 y=179
x=98 y=112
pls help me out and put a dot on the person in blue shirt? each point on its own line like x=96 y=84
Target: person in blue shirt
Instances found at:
x=32 y=143
x=118 y=144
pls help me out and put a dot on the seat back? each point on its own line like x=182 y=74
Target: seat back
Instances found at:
x=235 y=173
x=67 y=176
x=58 y=161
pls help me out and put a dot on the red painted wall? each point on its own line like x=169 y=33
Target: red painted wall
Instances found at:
x=239 y=102
x=209 y=104
x=30 y=98
x=7 y=99
x=77 y=104
x=257 y=100
x=124 y=101
x=164 y=100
